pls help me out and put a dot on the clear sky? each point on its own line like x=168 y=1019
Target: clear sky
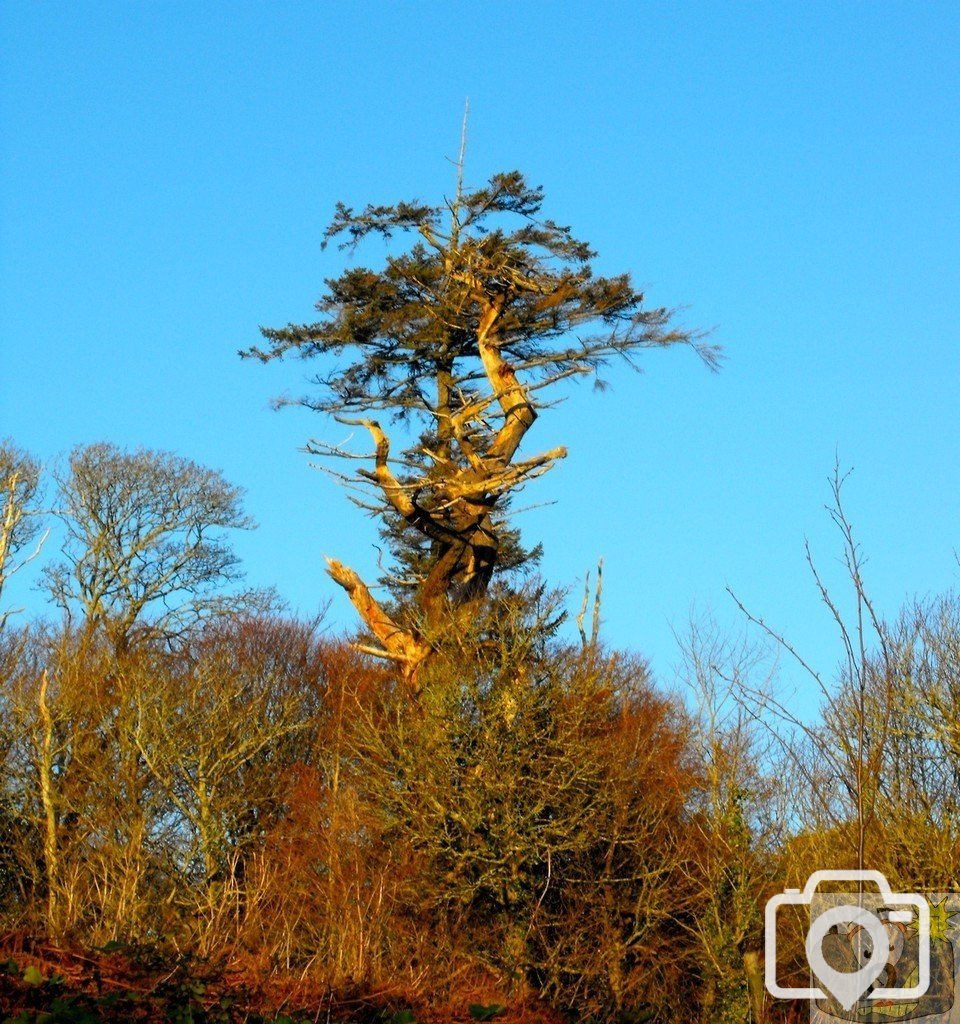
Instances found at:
x=786 y=172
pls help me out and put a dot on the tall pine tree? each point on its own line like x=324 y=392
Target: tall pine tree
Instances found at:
x=460 y=340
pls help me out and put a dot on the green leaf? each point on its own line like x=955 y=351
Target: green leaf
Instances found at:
x=32 y=976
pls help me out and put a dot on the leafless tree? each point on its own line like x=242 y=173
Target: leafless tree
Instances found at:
x=20 y=523
x=145 y=542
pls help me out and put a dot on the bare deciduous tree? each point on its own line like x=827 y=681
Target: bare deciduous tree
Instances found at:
x=736 y=828
x=850 y=744
x=19 y=514
x=144 y=540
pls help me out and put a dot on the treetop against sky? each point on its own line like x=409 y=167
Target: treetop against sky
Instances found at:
x=788 y=173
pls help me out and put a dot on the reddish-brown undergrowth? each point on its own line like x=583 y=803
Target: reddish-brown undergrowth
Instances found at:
x=41 y=980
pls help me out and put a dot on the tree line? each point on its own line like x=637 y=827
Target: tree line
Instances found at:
x=458 y=797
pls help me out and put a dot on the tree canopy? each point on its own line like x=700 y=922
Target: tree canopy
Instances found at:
x=461 y=339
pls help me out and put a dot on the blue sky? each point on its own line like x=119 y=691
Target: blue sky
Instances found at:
x=788 y=173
